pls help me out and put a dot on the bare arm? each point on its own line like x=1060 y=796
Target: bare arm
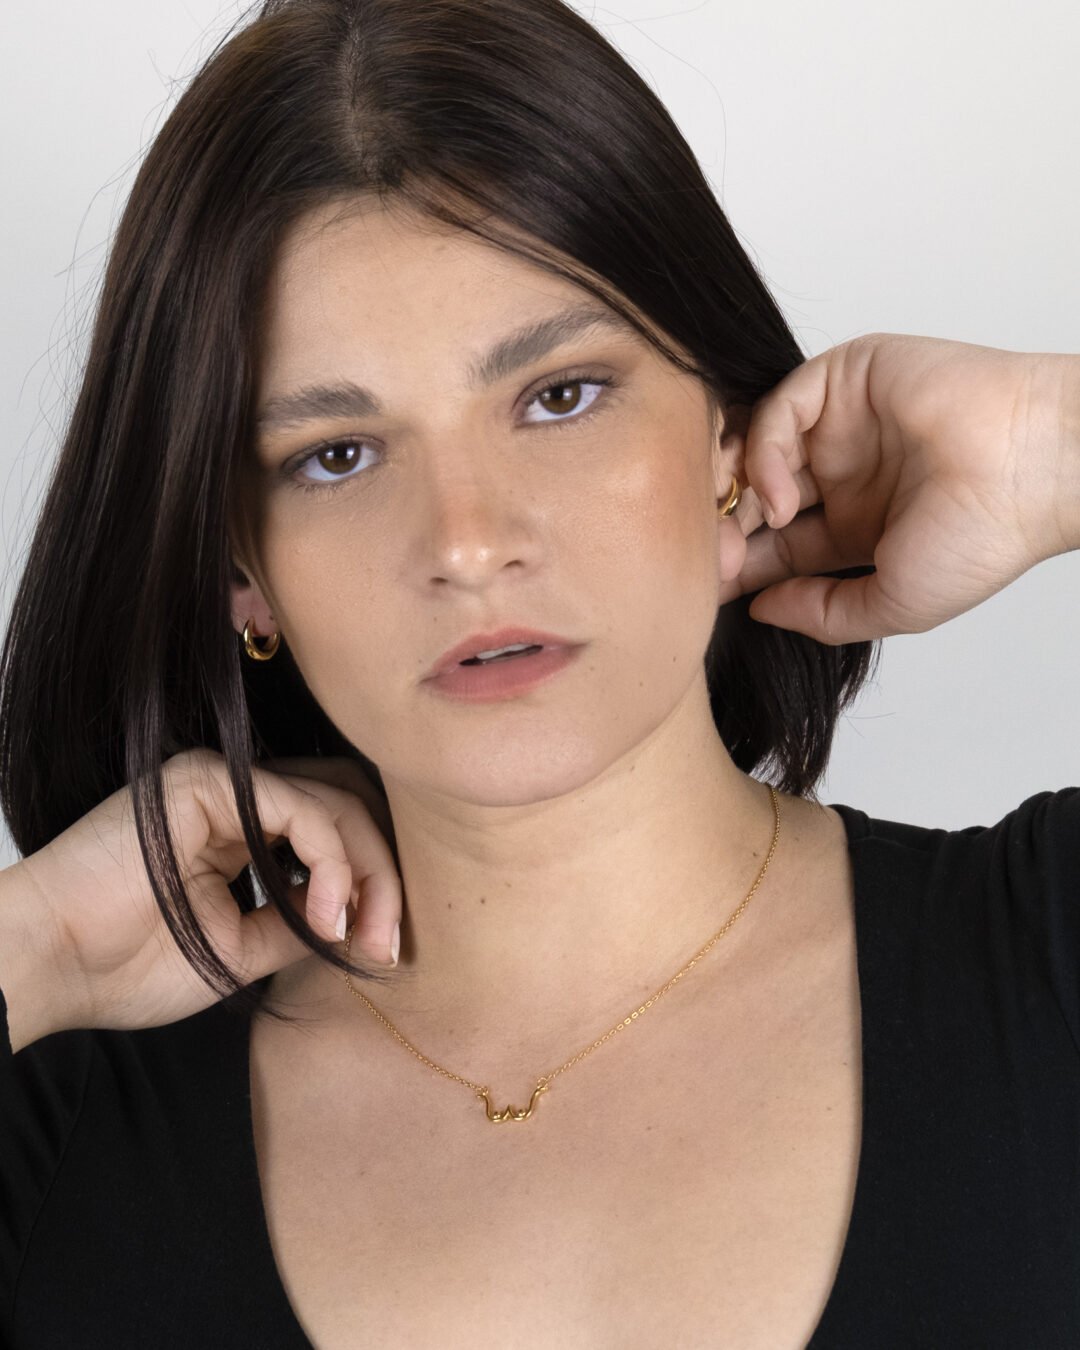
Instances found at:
x=38 y=997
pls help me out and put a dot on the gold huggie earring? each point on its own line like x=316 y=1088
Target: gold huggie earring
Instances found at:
x=259 y=653
x=734 y=497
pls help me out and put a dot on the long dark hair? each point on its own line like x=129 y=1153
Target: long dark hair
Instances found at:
x=514 y=119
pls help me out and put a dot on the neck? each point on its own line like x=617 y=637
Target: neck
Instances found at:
x=538 y=919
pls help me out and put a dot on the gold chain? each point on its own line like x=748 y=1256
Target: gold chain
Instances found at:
x=516 y=1113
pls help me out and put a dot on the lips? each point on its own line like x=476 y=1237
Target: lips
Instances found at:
x=484 y=642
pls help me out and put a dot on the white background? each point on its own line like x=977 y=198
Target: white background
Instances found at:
x=908 y=169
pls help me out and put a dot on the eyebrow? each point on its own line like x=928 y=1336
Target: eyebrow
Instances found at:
x=517 y=349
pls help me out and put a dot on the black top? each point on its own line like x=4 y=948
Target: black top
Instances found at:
x=131 y=1214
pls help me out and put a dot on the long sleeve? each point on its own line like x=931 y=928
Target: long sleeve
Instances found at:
x=130 y=1206
x=40 y=1101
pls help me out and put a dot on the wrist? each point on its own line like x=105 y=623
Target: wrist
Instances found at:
x=1071 y=440
x=30 y=975
x=1054 y=421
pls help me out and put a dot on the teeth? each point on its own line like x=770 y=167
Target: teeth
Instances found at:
x=498 y=651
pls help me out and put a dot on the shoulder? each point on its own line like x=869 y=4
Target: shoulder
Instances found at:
x=1013 y=881
x=995 y=904
x=1040 y=835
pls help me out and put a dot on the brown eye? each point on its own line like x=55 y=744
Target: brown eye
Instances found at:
x=340 y=458
x=565 y=398
x=328 y=464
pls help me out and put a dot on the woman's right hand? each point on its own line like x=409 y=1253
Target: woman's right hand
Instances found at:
x=112 y=956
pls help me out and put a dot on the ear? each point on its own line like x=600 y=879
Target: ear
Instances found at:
x=729 y=453
x=249 y=603
x=730 y=426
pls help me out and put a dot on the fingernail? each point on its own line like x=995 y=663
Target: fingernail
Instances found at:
x=340 y=930
x=395 y=944
x=768 y=510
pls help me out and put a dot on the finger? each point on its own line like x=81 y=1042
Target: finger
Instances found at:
x=338 y=771
x=830 y=610
x=376 y=884
x=284 y=811
x=750 y=514
x=252 y=945
x=269 y=943
x=372 y=880
x=313 y=826
x=775 y=450
x=805 y=547
x=378 y=913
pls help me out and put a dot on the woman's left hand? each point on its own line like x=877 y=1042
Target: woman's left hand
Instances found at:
x=950 y=468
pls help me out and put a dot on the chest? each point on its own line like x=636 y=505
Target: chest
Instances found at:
x=689 y=1183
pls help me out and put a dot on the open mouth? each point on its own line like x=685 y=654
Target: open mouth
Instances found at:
x=506 y=655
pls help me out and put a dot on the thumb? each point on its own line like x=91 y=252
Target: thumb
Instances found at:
x=269 y=943
x=831 y=610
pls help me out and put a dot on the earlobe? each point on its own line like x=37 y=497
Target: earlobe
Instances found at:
x=731 y=549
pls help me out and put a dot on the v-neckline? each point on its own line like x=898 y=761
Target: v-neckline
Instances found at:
x=856 y=826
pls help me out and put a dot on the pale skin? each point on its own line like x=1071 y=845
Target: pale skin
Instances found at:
x=565 y=851
x=530 y=900
x=529 y=831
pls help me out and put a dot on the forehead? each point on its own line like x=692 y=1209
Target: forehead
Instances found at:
x=384 y=237
x=370 y=271
x=386 y=261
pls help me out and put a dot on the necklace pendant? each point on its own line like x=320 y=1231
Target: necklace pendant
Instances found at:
x=511 y=1112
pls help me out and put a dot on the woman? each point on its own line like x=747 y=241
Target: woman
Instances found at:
x=385 y=381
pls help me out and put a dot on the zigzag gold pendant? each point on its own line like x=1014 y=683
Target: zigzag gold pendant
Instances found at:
x=511 y=1112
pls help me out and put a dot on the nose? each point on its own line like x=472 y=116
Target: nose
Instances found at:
x=472 y=529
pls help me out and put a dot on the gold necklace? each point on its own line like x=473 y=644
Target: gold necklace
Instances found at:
x=516 y=1113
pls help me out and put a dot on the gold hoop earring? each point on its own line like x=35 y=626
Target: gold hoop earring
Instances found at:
x=734 y=498
x=259 y=653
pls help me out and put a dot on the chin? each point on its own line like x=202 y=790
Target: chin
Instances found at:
x=515 y=772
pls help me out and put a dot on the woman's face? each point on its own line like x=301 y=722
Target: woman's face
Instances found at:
x=474 y=493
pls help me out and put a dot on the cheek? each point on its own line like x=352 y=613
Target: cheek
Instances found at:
x=655 y=555
x=662 y=511
x=322 y=585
